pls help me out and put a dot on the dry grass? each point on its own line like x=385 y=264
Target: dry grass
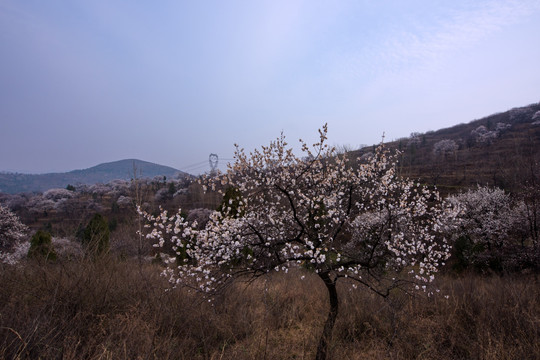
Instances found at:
x=119 y=310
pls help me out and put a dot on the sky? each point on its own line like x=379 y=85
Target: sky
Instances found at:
x=88 y=82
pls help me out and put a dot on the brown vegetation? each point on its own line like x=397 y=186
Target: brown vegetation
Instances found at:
x=120 y=310
x=504 y=160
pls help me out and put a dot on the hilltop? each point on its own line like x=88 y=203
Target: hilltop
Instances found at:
x=12 y=183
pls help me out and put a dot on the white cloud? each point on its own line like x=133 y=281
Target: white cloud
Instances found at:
x=459 y=30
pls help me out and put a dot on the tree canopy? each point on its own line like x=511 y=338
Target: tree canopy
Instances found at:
x=323 y=211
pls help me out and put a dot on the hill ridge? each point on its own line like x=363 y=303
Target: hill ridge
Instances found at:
x=124 y=169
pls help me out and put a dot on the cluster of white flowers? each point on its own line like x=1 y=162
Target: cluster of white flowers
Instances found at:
x=12 y=237
x=19 y=252
x=482 y=135
x=445 y=147
x=536 y=116
x=487 y=215
x=333 y=215
x=57 y=194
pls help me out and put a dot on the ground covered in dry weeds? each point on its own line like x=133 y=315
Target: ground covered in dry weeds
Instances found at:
x=110 y=309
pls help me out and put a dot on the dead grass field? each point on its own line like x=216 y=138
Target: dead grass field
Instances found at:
x=119 y=310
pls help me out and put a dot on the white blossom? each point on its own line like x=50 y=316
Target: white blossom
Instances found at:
x=332 y=215
x=12 y=236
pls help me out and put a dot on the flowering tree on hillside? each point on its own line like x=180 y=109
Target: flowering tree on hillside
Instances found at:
x=487 y=218
x=445 y=147
x=323 y=212
x=486 y=215
x=57 y=194
x=482 y=135
x=12 y=234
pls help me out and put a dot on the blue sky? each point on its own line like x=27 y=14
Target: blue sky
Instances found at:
x=86 y=82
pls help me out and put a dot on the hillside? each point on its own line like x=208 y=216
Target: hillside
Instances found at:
x=501 y=150
x=11 y=183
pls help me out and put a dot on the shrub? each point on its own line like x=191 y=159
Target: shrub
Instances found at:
x=41 y=246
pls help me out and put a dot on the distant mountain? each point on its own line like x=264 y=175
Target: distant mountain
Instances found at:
x=13 y=183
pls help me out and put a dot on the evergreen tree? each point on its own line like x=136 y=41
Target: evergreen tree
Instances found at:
x=96 y=236
x=41 y=246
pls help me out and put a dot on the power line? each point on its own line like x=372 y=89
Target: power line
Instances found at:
x=204 y=164
x=195 y=165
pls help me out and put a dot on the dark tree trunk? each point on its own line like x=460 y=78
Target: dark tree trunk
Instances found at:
x=326 y=337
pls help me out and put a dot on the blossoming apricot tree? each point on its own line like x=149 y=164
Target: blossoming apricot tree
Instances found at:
x=12 y=234
x=325 y=212
x=486 y=217
x=487 y=229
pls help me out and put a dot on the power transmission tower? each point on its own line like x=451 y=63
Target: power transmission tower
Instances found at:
x=213 y=161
